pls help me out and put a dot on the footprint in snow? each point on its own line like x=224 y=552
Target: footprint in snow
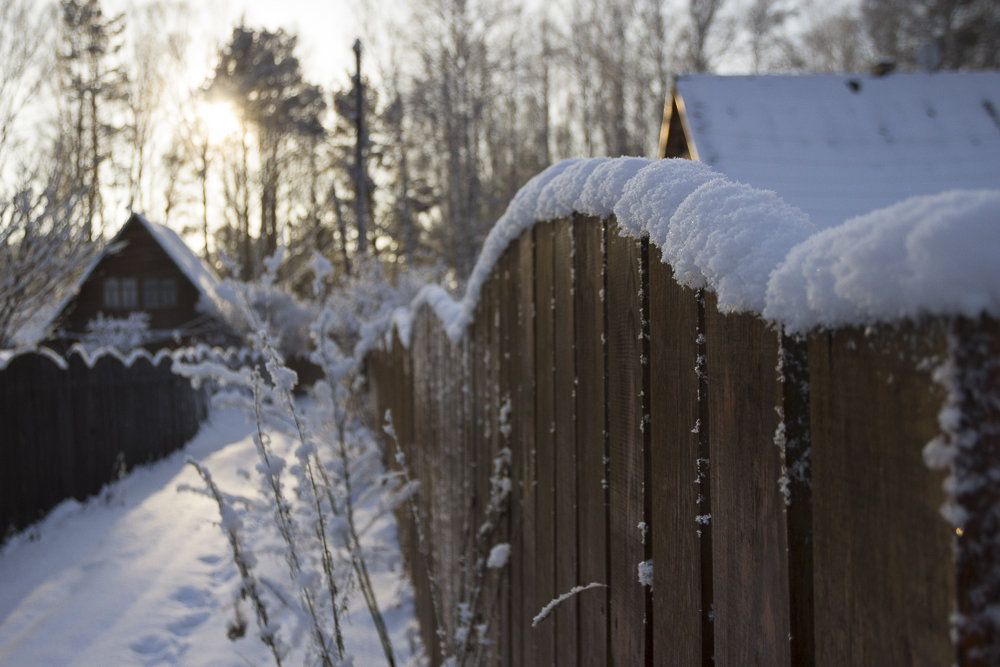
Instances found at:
x=182 y=627
x=150 y=644
x=192 y=597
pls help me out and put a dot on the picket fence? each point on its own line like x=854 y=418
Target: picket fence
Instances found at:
x=777 y=486
x=69 y=425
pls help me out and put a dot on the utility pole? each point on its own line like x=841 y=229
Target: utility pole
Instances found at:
x=360 y=173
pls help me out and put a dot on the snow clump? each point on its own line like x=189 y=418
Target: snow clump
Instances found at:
x=927 y=255
x=499 y=555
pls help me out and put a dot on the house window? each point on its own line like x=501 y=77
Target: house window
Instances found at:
x=159 y=293
x=121 y=293
x=129 y=293
x=111 y=299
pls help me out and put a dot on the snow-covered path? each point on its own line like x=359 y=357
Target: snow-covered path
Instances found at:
x=144 y=576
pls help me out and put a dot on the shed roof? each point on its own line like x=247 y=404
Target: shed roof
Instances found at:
x=840 y=145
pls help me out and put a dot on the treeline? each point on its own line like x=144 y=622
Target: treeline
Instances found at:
x=462 y=101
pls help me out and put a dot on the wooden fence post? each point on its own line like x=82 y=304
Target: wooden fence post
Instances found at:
x=975 y=469
x=567 y=618
x=626 y=441
x=884 y=588
x=544 y=490
x=682 y=567
x=509 y=354
x=524 y=407
x=591 y=437
x=749 y=533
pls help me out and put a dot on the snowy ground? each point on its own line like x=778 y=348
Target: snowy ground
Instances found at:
x=143 y=575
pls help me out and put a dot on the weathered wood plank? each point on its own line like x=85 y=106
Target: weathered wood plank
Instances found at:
x=749 y=533
x=678 y=576
x=884 y=586
x=625 y=386
x=591 y=437
x=544 y=589
x=975 y=441
x=510 y=531
x=524 y=407
x=795 y=391
x=566 y=537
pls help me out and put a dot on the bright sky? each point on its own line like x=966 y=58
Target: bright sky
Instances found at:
x=326 y=29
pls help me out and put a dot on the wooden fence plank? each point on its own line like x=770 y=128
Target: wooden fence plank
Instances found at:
x=625 y=386
x=495 y=602
x=420 y=462
x=795 y=390
x=544 y=589
x=749 y=534
x=591 y=437
x=510 y=378
x=678 y=575
x=975 y=347
x=566 y=537
x=524 y=407
x=884 y=587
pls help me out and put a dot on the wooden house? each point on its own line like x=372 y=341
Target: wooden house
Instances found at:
x=840 y=145
x=146 y=268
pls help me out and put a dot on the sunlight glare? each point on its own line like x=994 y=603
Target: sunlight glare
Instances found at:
x=220 y=121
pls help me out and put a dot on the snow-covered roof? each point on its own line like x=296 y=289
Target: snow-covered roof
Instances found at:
x=840 y=145
x=195 y=270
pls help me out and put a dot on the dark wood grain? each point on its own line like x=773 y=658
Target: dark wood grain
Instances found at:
x=524 y=406
x=544 y=491
x=591 y=437
x=625 y=386
x=566 y=536
x=676 y=487
x=749 y=534
x=882 y=560
x=975 y=351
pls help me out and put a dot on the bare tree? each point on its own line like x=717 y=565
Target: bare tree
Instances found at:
x=92 y=85
x=156 y=49
x=41 y=250
x=21 y=35
x=765 y=21
x=963 y=33
x=702 y=16
x=834 y=42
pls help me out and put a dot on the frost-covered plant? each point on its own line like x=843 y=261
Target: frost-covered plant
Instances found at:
x=312 y=500
x=121 y=333
x=250 y=586
x=464 y=644
x=369 y=295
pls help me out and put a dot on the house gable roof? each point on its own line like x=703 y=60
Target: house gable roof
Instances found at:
x=840 y=145
x=201 y=277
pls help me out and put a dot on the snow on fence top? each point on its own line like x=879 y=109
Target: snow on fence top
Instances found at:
x=928 y=255
x=88 y=357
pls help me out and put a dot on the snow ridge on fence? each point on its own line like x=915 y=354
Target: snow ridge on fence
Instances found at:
x=928 y=255
x=90 y=357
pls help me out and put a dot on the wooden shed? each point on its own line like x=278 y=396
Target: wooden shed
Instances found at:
x=146 y=268
x=840 y=145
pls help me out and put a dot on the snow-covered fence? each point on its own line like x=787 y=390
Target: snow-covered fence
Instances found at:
x=815 y=485
x=69 y=425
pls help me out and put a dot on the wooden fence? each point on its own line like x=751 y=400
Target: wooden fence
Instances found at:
x=777 y=485
x=67 y=425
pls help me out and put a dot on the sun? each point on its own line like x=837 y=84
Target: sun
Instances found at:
x=220 y=120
